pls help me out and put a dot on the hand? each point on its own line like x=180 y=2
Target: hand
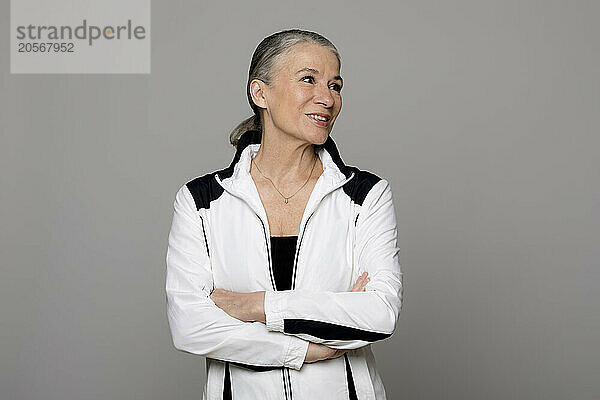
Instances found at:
x=247 y=307
x=318 y=352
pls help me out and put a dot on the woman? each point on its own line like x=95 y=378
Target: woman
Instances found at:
x=283 y=268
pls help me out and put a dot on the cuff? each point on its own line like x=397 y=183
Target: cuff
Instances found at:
x=275 y=304
x=296 y=353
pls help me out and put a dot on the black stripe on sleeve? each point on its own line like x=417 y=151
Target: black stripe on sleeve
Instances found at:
x=330 y=331
x=257 y=368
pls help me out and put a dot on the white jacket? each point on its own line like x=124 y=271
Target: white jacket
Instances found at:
x=219 y=238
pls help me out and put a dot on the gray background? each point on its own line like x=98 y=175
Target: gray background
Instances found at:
x=482 y=114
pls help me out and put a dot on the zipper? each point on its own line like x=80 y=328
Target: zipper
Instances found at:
x=268 y=250
x=298 y=251
x=266 y=230
x=299 y=243
x=303 y=228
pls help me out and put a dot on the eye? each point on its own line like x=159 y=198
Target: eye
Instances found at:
x=309 y=77
x=337 y=87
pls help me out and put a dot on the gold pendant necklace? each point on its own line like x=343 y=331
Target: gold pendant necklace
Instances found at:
x=285 y=199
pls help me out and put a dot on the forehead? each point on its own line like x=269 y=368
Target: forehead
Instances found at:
x=308 y=55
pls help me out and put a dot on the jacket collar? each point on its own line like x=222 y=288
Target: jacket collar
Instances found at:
x=237 y=179
x=334 y=169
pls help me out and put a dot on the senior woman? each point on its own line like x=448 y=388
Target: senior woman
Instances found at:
x=283 y=269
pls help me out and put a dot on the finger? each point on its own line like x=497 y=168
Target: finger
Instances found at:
x=363 y=285
x=367 y=280
x=357 y=286
x=361 y=278
x=359 y=282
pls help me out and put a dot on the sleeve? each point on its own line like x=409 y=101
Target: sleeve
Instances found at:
x=197 y=325
x=349 y=320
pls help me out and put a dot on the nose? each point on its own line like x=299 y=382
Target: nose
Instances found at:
x=323 y=96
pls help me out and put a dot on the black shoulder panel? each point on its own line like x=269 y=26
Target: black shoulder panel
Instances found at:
x=358 y=187
x=205 y=189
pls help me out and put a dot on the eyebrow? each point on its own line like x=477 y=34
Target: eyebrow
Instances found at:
x=314 y=71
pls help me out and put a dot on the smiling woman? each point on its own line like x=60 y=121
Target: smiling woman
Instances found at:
x=287 y=61
x=283 y=268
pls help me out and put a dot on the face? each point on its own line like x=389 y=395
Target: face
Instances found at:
x=306 y=82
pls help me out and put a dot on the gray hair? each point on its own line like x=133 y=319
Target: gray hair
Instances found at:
x=262 y=67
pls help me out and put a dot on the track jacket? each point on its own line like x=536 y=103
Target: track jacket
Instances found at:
x=219 y=238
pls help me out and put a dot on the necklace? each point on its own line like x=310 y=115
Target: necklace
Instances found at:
x=289 y=197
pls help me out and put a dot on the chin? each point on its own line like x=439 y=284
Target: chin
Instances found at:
x=314 y=135
x=319 y=138
x=324 y=138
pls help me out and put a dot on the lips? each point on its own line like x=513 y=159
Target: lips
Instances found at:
x=325 y=117
x=317 y=121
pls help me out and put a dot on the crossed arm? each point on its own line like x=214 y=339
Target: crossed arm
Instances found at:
x=249 y=307
x=246 y=328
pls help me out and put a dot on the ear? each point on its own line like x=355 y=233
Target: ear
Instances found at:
x=257 y=93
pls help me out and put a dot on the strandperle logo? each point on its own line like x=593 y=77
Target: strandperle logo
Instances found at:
x=84 y=31
x=80 y=36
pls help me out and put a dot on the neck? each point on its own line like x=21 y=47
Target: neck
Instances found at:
x=284 y=158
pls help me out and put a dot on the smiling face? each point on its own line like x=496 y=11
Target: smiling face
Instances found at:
x=306 y=82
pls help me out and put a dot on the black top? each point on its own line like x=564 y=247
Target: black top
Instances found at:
x=283 y=249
